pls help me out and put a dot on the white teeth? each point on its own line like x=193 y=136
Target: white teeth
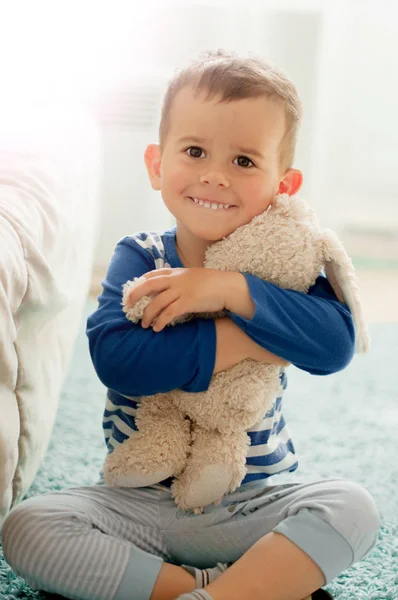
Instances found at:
x=213 y=205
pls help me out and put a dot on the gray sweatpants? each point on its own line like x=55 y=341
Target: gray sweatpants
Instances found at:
x=108 y=543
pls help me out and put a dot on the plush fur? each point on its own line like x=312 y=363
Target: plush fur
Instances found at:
x=201 y=439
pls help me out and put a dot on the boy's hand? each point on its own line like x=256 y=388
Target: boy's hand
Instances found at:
x=181 y=291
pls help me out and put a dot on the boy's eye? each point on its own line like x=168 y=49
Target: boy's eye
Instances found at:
x=194 y=151
x=243 y=161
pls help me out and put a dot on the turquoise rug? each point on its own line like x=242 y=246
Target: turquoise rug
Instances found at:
x=344 y=425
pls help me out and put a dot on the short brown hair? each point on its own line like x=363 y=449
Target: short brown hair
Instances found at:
x=234 y=77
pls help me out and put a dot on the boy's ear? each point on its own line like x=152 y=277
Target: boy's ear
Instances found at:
x=152 y=159
x=291 y=182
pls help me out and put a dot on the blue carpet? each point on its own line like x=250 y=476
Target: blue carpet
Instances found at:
x=344 y=425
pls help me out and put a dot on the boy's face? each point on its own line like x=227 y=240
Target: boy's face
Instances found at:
x=219 y=153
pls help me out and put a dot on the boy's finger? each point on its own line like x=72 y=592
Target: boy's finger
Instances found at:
x=147 y=288
x=170 y=313
x=157 y=306
x=157 y=273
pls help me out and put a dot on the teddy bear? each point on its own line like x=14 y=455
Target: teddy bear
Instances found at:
x=200 y=439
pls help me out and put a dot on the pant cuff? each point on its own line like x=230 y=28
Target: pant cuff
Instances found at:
x=327 y=548
x=140 y=576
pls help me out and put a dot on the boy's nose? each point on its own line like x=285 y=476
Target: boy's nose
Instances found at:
x=215 y=178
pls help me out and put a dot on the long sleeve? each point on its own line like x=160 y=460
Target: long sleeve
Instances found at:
x=313 y=331
x=135 y=361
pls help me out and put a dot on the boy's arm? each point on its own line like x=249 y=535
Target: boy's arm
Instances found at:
x=313 y=331
x=136 y=361
x=233 y=346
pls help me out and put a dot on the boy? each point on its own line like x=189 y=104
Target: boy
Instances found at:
x=227 y=139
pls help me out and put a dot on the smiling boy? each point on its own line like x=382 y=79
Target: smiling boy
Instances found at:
x=227 y=140
x=219 y=164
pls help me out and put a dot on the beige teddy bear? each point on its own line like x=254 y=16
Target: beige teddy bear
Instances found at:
x=201 y=439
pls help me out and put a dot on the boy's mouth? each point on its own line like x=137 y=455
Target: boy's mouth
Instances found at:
x=212 y=205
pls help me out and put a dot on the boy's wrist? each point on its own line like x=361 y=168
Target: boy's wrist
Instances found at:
x=237 y=295
x=233 y=345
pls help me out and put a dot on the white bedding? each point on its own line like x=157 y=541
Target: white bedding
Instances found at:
x=50 y=162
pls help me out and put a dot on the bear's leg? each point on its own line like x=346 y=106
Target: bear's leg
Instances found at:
x=157 y=451
x=217 y=465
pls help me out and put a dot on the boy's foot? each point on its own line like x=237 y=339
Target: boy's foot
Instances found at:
x=205 y=576
x=196 y=595
x=320 y=594
x=201 y=594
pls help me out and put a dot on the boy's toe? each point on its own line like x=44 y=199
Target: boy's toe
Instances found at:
x=321 y=594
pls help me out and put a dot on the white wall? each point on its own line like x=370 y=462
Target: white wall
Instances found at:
x=356 y=155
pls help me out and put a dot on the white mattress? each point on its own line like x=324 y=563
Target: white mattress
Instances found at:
x=50 y=161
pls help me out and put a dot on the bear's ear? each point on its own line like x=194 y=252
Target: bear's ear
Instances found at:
x=342 y=277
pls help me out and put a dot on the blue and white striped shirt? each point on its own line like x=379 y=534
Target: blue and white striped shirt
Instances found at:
x=313 y=331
